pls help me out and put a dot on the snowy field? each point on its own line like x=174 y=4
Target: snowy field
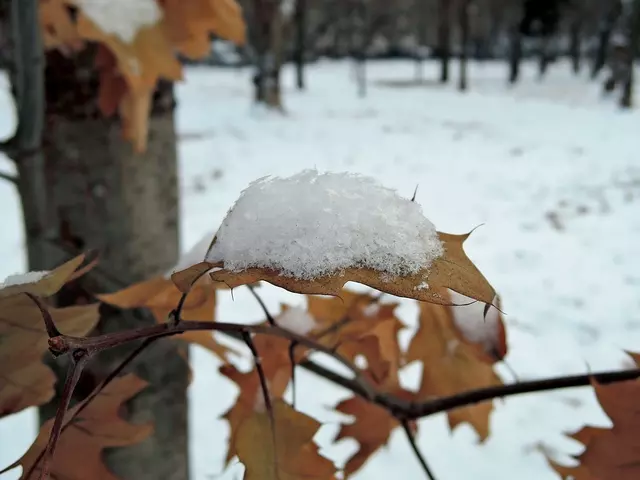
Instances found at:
x=550 y=168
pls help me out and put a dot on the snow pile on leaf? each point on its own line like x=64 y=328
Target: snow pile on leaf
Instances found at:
x=122 y=18
x=22 y=278
x=310 y=225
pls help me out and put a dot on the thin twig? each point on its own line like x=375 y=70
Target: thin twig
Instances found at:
x=246 y=337
x=262 y=305
x=9 y=178
x=78 y=362
x=416 y=450
x=292 y=359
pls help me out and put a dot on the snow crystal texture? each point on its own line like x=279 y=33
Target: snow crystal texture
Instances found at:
x=122 y=18
x=313 y=224
x=22 y=278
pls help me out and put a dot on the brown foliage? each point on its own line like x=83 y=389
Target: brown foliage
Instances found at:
x=281 y=447
x=453 y=270
x=452 y=364
x=24 y=379
x=129 y=78
x=79 y=451
x=611 y=452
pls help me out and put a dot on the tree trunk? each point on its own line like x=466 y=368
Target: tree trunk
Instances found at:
x=464 y=43
x=634 y=45
x=360 y=28
x=606 y=28
x=301 y=30
x=543 y=59
x=575 y=46
x=444 y=38
x=94 y=192
x=421 y=35
x=268 y=18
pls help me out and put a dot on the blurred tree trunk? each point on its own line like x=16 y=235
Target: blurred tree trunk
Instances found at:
x=300 y=48
x=444 y=38
x=543 y=55
x=575 y=37
x=269 y=44
x=613 y=10
x=104 y=196
x=359 y=44
x=464 y=42
x=634 y=49
x=82 y=187
x=515 y=41
x=420 y=7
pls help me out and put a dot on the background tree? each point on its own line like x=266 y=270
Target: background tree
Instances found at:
x=95 y=150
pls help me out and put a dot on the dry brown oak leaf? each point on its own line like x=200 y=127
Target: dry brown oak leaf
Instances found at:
x=357 y=324
x=282 y=449
x=452 y=270
x=451 y=365
x=79 y=451
x=611 y=453
x=188 y=24
x=274 y=354
x=25 y=380
x=371 y=427
x=161 y=296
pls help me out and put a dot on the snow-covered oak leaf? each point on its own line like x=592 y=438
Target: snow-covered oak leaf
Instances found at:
x=311 y=233
x=251 y=398
x=612 y=452
x=57 y=26
x=451 y=365
x=79 y=452
x=25 y=380
x=371 y=428
x=189 y=24
x=477 y=326
x=283 y=449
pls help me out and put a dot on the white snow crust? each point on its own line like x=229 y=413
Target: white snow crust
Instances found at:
x=22 y=278
x=313 y=224
x=122 y=18
x=297 y=320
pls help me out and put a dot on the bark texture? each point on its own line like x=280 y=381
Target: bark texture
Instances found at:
x=89 y=190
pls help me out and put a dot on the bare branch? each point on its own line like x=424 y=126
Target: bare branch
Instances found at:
x=9 y=178
x=262 y=305
x=78 y=362
x=416 y=450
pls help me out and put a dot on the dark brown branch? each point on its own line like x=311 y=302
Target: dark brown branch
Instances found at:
x=78 y=361
x=416 y=450
x=9 y=178
x=262 y=305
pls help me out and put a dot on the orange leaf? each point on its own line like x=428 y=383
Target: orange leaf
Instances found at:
x=80 y=447
x=371 y=428
x=358 y=325
x=58 y=29
x=161 y=296
x=24 y=380
x=452 y=365
x=613 y=453
x=251 y=397
x=142 y=61
x=189 y=24
x=283 y=450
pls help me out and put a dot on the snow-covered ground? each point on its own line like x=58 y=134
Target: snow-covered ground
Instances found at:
x=550 y=168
